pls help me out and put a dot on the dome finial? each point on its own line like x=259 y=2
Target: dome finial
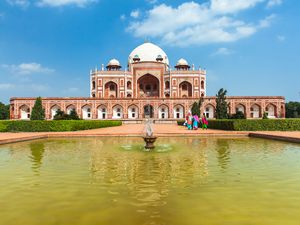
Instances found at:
x=147 y=40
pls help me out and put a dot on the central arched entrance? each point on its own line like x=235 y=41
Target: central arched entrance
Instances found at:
x=148 y=86
x=148 y=111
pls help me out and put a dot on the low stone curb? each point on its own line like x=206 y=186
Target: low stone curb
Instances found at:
x=275 y=137
x=21 y=139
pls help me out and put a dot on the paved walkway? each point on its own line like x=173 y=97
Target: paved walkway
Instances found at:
x=138 y=130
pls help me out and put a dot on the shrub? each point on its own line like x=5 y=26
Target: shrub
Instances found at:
x=265 y=116
x=61 y=115
x=180 y=122
x=55 y=125
x=3 y=126
x=73 y=115
x=238 y=115
x=256 y=125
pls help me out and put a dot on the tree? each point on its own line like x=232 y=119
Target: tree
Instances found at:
x=73 y=115
x=292 y=109
x=38 y=112
x=196 y=107
x=221 y=104
x=4 y=111
x=61 y=115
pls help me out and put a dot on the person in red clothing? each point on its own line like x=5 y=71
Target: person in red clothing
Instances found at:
x=204 y=122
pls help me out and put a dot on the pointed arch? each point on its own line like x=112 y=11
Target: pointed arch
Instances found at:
x=133 y=111
x=178 y=111
x=255 y=111
x=163 y=111
x=148 y=86
x=53 y=110
x=24 y=112
x=271 y=110
x=209 y=111
x=117 y=112
x=240 y=107
x=102 y=112
x=69 y=108
x=86 y=112
x=185 y=89
x=111 y=90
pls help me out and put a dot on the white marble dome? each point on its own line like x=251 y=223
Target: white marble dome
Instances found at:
x=113 y=62
x=182 y=62
x=148 y=52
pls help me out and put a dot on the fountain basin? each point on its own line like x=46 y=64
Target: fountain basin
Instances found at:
x=149 y=142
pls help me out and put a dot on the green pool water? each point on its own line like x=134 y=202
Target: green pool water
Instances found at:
x=185 y=181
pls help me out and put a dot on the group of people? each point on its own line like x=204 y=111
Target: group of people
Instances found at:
x=192 y=122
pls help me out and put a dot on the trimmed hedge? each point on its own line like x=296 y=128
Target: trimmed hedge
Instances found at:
x=256 y=125
x=55 y=125
x=253 y=125
x=180 y=122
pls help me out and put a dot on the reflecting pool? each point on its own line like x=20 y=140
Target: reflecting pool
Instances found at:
x=184 y=181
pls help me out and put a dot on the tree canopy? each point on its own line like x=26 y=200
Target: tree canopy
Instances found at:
x=221 y=104
x=4 y=111
x=38 y=112
x=292 y=109
x=61 y=115
x=196 y=107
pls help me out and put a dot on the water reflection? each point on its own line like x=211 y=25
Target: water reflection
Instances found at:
x=223 y=152
x=149 y=177
x=37 y=150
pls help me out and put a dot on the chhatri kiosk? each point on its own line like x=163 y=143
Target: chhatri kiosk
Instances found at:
x=148 y=87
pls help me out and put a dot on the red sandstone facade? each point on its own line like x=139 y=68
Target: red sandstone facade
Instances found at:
x=148 y=88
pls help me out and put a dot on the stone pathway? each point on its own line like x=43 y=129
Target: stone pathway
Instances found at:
x=159 y=130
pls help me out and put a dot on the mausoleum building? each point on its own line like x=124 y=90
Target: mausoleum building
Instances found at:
x=148 y=87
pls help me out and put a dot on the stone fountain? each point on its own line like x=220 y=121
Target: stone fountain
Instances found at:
x=149 y=138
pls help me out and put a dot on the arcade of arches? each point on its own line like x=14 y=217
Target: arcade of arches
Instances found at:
x=162 y=109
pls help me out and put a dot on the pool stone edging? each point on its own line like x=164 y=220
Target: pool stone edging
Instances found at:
x=74 y=135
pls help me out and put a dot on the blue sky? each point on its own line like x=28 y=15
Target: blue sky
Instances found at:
x=249 y=47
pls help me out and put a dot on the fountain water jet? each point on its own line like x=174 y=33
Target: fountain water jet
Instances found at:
x=149 y=138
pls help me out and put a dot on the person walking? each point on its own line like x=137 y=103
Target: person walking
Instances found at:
x=189 y=121
x=195 y=122
x=204 y=122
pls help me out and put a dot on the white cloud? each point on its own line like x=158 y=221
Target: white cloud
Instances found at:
x=32 y=87
x=135 y=14
x=37 y=87
x=57 y=3
x=123 y=17
x=281 y=38
x=27 y=68
x=229 y=6
x=267 y=21
x=152 y=1
x=20 y=3
x=72 y=89
x=192 y=23
x=272 y=3
x=5 y=86
x=222 y=51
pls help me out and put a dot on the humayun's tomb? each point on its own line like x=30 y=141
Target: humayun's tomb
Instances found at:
x=149 y=87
